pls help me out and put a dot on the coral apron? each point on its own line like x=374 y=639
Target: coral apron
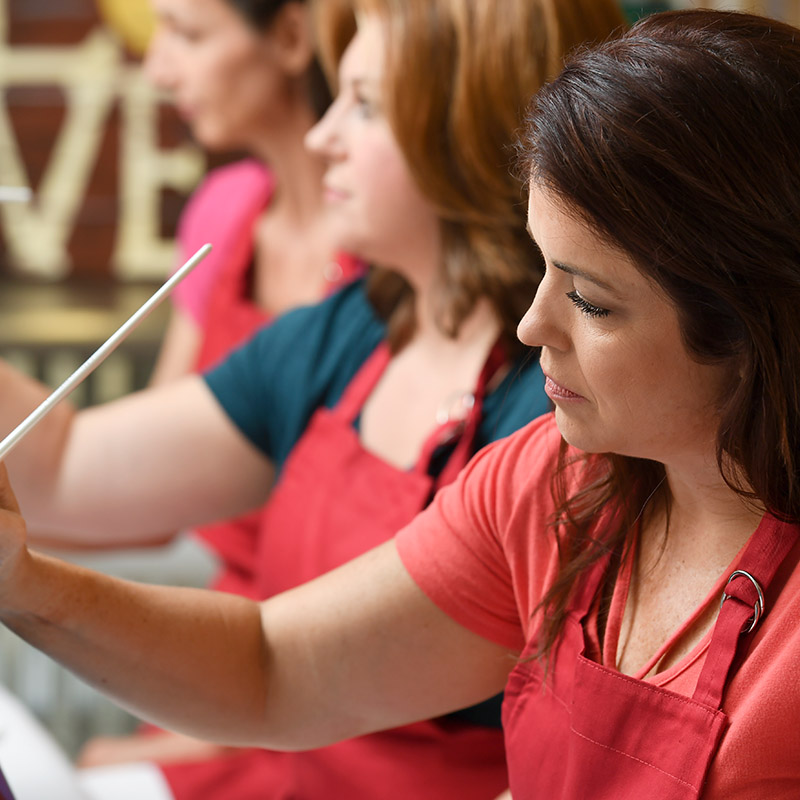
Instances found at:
x=590 y=731
x=334 y=501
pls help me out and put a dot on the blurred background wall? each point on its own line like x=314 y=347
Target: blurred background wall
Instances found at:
x=110 y=166
x=109 y=163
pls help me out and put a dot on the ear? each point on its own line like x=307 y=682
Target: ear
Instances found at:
x=291 y=37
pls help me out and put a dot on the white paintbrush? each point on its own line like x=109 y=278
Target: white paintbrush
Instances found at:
x=100 y=354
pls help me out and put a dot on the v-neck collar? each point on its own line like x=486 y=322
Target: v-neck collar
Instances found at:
x=616 y=613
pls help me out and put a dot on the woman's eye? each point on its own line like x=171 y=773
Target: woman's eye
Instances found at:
x=365 y=107
x=586 y=307
x=185 y=36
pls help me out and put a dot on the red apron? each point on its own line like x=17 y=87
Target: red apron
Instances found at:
x=590 y=731
x=232 y=318
x=334 y=501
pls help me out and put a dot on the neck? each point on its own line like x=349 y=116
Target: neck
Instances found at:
x=707 y=518
x=480 y=328
x=298 y=174
x=477 y=332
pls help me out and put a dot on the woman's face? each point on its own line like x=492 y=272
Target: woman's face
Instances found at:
x=224 y=75
x=616 y=366
x=377 y=210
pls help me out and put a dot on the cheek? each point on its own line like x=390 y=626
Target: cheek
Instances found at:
x=625 y=378
x=388 y=195
x=228 y=71
x=210 y=80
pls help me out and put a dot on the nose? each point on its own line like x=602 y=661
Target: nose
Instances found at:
x=158 y=65
x=324 y=139
x=545 y=323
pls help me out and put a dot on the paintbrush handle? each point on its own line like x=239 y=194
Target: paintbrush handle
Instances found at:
x=100 y=354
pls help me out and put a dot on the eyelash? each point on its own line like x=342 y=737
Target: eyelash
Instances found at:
x=586 y=307
x=365 y=106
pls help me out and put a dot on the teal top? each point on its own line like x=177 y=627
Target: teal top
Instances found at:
x=272 y=385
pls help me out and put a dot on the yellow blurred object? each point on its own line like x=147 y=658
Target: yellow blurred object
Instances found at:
x=132 y=20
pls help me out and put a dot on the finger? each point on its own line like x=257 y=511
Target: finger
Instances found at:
x=8 y=500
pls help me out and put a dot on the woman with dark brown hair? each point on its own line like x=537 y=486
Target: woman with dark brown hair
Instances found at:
x=349 y=415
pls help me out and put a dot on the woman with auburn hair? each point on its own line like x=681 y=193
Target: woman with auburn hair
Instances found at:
x=355 y=412
x=626 y=567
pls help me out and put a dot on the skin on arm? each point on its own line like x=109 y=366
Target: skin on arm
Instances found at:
x=131 y=470
x=357 y=650
x=164 y=747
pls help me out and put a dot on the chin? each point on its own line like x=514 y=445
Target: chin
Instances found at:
x=213 y=140
x=579 y=435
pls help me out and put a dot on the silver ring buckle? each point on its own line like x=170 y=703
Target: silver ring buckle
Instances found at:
x=758 y=607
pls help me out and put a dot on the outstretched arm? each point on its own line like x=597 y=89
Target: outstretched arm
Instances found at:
x=133 y=469
x=357 y=650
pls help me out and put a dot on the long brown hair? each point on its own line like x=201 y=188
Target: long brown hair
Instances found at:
x=680 y=144
x=459 y=75
x=260 y=14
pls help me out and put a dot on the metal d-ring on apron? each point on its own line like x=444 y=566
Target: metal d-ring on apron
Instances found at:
x=758 y=606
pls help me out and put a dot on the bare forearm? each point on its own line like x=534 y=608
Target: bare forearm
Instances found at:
x=36 y=458
x=130 y=471
x=185 y=659
x=357 y=650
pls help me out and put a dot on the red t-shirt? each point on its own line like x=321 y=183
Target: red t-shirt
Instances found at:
x=485 y=553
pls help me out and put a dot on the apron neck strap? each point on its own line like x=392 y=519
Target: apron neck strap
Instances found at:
x=360 y=388
x=743 y=603
x=466 y=429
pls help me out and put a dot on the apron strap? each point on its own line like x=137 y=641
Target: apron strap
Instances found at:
x=467 y=429
x=360 y=388
x=743 y=603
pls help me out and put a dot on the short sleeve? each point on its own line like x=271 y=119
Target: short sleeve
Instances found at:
x=271 y=386
x=222 y=211
x=484 y=551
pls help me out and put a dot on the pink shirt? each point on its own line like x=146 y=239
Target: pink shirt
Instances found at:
x=485 y=554
x=221 y=211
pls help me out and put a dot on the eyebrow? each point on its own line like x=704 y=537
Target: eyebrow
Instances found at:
x=587 y=276
x=570 y=270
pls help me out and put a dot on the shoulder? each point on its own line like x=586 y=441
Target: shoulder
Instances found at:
x=480 y=551
x=515 y=469
x=224 y=195
x=333 y=325
x=248 y=176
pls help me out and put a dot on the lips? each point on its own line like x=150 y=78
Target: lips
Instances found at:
x=558 y=392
